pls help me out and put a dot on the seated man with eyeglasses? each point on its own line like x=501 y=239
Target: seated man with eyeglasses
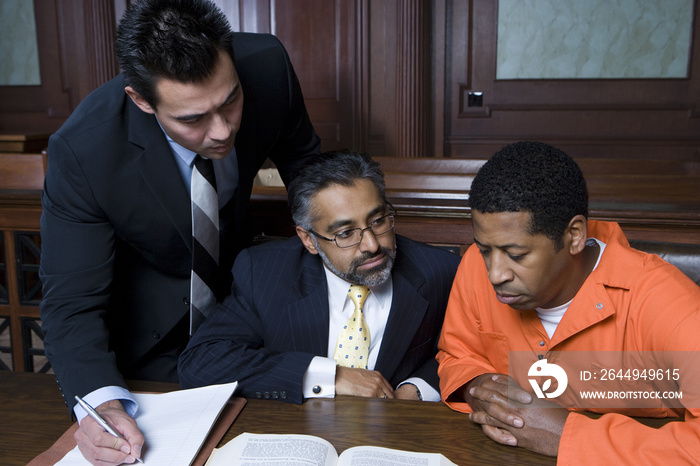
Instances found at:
x=347 y=307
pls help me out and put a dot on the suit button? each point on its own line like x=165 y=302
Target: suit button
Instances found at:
x=266 y=395
x=275 y=395
x=283 y=395
x=186 y=300
x=258 y=395
x=156 y=335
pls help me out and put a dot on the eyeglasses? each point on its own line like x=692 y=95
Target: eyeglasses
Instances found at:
x=353 y=236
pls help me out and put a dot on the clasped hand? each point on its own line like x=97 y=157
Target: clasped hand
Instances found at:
x=367 y=383
x=511 y=416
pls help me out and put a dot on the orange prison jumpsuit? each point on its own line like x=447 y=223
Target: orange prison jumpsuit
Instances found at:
x=632 y=301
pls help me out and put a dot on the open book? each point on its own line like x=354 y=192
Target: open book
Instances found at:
x=307 y=450
x=175 y=424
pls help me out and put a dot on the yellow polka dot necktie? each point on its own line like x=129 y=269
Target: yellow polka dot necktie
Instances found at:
x=352 y=349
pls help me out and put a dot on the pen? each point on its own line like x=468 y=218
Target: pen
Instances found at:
x=99 y=419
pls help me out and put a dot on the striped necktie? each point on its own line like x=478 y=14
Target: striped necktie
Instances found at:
x=205 y=240
x=352 y=349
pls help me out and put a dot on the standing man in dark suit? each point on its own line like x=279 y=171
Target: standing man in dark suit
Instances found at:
x=279 y=333
x=116 y=228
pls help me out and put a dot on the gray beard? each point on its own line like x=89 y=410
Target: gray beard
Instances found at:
x=373 y=277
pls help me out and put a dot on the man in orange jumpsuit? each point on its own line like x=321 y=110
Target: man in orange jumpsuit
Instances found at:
x=543 y=280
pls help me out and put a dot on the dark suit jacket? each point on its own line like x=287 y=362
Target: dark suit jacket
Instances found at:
x=266 y=333
x=116 y=227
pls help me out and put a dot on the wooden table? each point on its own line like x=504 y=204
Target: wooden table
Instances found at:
x=33 y=417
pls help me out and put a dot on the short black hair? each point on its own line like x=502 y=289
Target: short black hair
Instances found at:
x=174 y=39
x=532 y=177
x=342 y=167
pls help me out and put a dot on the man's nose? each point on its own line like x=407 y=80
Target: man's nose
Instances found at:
x=220 y=129
x=368 y=242
x=498 y=270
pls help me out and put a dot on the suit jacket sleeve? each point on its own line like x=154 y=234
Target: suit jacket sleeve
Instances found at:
x=234 y=344
x=441 y=284
x=298 y=141
x=423 y=277
x=274 y=108
x=76 y=270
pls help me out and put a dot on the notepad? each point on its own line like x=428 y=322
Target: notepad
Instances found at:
x=175 y=424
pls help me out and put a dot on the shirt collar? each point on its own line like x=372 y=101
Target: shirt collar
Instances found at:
x=185 y=155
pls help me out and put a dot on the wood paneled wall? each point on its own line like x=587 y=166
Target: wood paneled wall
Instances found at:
x=635 y=118
x=391 y=77
x=75 y=56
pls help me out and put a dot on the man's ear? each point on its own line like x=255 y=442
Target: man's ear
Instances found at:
x=576 y=234
x=305 y=237
x=139 y=100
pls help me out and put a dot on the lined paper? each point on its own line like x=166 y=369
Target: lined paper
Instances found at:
x=175 y=424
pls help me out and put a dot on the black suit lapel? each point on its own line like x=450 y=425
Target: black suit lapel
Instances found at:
x=159 y=170
x=308 y=315
x=408 y=309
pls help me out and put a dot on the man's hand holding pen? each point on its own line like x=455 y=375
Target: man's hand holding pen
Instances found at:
x=102 y=448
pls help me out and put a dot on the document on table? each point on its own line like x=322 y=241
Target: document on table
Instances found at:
x=175 y=424
x=304 y=450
